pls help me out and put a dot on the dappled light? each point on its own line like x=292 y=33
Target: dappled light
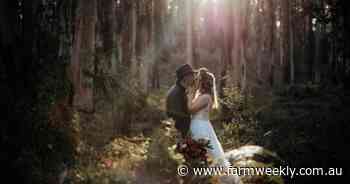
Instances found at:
x=146 y=91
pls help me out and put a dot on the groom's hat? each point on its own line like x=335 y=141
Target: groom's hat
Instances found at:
x=184 y=70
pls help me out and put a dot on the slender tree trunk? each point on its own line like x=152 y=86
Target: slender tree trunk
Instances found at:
x=286 y=40
x=149 y=54
x=75 y=63
x=84 y=47
x=224 y=42
x=141 y=47
x=260 y=72
x=291 y=45
x=108 y=21
x=309 y=49
x=272 y=42
x=194 y=33
x=278 y=67
x=237 y=32
x=189 y=33
x=243 y=45
x=318 y=49
x=317 y=58
x=134 y=30
x=158 y=18
x=126 y=35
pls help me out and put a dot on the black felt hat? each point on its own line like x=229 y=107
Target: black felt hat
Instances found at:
x=184 y=70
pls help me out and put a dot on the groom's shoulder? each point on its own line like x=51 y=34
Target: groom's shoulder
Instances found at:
x=174 y=90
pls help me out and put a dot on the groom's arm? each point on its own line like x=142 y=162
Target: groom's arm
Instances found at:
x=176 y=104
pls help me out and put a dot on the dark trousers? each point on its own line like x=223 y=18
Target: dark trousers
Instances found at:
x=182 y=125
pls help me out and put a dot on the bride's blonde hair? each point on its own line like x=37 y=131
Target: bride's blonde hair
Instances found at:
x=207 y=84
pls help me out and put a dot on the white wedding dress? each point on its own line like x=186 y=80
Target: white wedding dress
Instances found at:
x=201 y=128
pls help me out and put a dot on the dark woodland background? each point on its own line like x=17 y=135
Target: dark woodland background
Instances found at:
x=82 y=84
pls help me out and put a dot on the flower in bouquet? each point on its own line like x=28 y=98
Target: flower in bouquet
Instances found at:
x=194 y=151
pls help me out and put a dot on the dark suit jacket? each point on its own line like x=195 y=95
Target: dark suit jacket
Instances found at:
x=176 y=107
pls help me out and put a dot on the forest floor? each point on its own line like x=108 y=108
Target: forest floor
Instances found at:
x=305 y=126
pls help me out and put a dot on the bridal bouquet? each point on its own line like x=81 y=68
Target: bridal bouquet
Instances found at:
x=194 y=151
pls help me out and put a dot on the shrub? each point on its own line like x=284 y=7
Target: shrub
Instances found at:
x=50 y=132
x=239 y=118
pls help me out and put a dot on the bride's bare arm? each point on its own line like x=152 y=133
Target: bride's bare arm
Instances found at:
x=198 y=104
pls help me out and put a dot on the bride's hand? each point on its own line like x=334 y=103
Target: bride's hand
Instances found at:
x=190 y=93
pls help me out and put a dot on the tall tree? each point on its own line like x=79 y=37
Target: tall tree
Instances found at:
x=189 y=33
x=319 y=35
x=285 y=22
x=160 y=7
x=35 y=39
x=226 y=30
x=291 y=43
x=142 y=47
x=237 y=30
x=108 y=27
x=127 y=33
x=271 y=18
x=84 y=54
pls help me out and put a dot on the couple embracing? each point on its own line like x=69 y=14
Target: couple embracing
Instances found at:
x=189 y=103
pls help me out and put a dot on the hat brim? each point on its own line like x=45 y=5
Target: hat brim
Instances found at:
x=193 y=72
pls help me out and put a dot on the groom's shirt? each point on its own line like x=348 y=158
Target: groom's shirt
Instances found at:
x=176 y=105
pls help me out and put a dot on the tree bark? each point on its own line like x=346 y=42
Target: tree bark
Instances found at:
x=108 y=32
x=158 y=18
x=84 y=54
x=243 y=45
x=189 y=33
x=286 y=40
x=291 y=44
x=272 y=41
x=318 y=48
x=237 y=32
x=126 y=35
x=134 y=30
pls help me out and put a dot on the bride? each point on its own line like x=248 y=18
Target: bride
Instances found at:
x=202 y=98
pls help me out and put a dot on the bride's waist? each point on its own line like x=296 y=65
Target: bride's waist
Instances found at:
x=200 y=118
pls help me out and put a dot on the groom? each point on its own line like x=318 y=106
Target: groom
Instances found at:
x=176 y=102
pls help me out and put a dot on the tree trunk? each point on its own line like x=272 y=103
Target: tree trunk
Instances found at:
x=148 y=54
x=126 y=34
x=317 y=58
x=158 y=18
x=194 y=33
x=243 y=45
x=134 y=30
x=291 y=44
x=189 y=33
x=237 y=32
x=142 y=53
x=226 y=40
x=286 y=40
x=272 y=42
x=84 y=48
x=279 y=67
x=318 y=48
x=309 y=49
x=108 y=31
